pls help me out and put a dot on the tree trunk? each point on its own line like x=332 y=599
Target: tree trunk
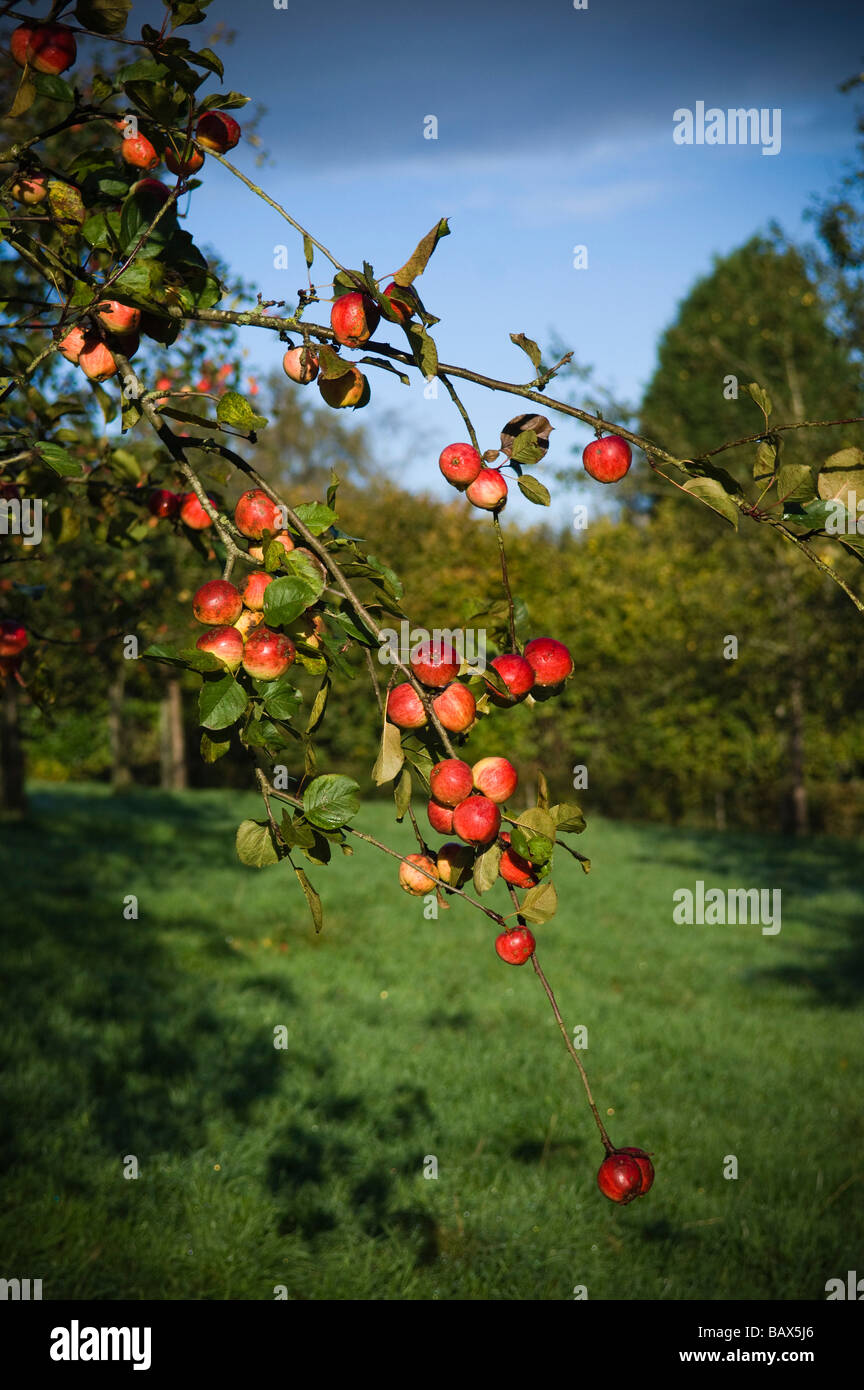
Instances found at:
x=13 y=797
x=800 y=817
x=173 y=760
x=121 y=775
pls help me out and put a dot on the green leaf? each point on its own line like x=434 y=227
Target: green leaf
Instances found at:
x=540 y=903
x=534 y=490
x=390 y=755
x=402 y=794
x=528 y=345
x=709 y=491
x=540 y=849
x=766 y=461
x=330 y=801
x=760 y=396
x=223 y=101
x=841 y=475
x=291 y=594
x=567 y=816
x=312 y=899
x=281 y=698
x=330 y=364
x=221 y=702
x=103 y=16
x=319 y=705
x=24 y=98
x=419 y=259
x=423 y=348
x=206 y=58
x=60 y=460
x=255 y=846
x=486 y=868
x=796 y=483
x=211 y=750
x=540 y=822
x=519 y=842
x=308 y=250
x=234 y=409
x=47 y=85
x=316 y=517
x=524 y=436
x=527 y=448
x=387 y=367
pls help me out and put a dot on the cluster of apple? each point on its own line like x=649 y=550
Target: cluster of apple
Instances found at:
x=606 y=459
x=353 y=318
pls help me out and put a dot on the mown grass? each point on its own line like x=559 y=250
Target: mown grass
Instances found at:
x=407 y=1038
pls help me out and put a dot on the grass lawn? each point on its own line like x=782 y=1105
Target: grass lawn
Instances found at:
x=407 y=1038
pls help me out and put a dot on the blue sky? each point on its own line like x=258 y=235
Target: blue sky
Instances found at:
x=554 y=130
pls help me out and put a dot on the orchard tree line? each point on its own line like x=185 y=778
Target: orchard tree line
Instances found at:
x=183 y=550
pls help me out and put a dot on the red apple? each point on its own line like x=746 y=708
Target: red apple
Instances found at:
x=488 y=490
x=351 y=389
x=456 y=708
x=163 y=503
x=218 y=132
x=514 y=869
x=646 y=1167
x=224 y=642
x=138 y=151
x=301 y=364
x=435 y=663
x=253 y=589
x=30 y=191
x=401 y=300
x=607 y=459
x=405 y=708
x=550 y=661
x=460 y=464
x=516 y=673
x=217 y=602
x=354 y=318
x=48 y=48
x=477 y=820
x=118 y=318
x=184 y=167
x=414 y=874
x=13 y=638
x=620 y=1178
x=453 y=862
x=440 y=817
x=96 y=360
x=450 y=781
x=495 y=778
x=256 y=513
x=516 y=946
x=192 y=514
x=268 y=654
x=72 y=345
x=152 y=190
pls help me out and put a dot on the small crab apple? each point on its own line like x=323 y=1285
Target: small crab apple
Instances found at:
x=350 y=389
x=184 y=166
x=253 y=589
x=456 y=708
x=414 y=874
x=354 y=318
x=401 y=300
x=256 y=513
x=516 y=673
x=620 y=1177
x=13 y=638
x=300 y=364
x=488 y=490
x=118 y=318
x=440 y=817
x=96 y=360
x=496 y=778
x=515 y=946
x=72 y=345
x=163 y=503
x=151 y=192
x=30 y=190
x=450 y=781
x=607 y=459
x=217 y=131
x=217 y=602
x=460 y=464
x=192 y=514
x=646 y=1167
x=48 y=48
x=226 y=643
x=435 y=663
x=477 y=820
x=453 y=862
x=550 y=661
x=405 y=708
x=514 y=869
x=268 y=654
x=140 y=153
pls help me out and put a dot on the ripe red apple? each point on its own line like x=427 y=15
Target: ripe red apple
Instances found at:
x=256 y=513
x=72 y=345
x=192 y=514
x=550 y=661
x=401 y=300
x=30 y=191
x=301 y=364
x=351 y=389
x=456 y=708
x=405 y=708
x=516 y=673
x=217 y=602
x=514 y=869
x=253 y=589
x=48 y=48
x=152 y=190
x=184 y=167
x=450 y=781
x=646 y=1167
x=224 y=642
x=477 y=820
x=440 y=817
x=217 y=131
x=163 y=503
x=488 y=490
x=13 y=638
x=354 y=318
x=607 y=459
x=435 y=663
x=516 y=946
x=453 y=862
x=96 y=360
x=496 y=778
x=268 y=654
x=118 y=318
x=620 y=1177
x=414 y=874
x=460 y=464
x=138 y=151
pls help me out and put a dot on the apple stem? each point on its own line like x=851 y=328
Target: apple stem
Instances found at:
x=607 y=1142
x=460 y=407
